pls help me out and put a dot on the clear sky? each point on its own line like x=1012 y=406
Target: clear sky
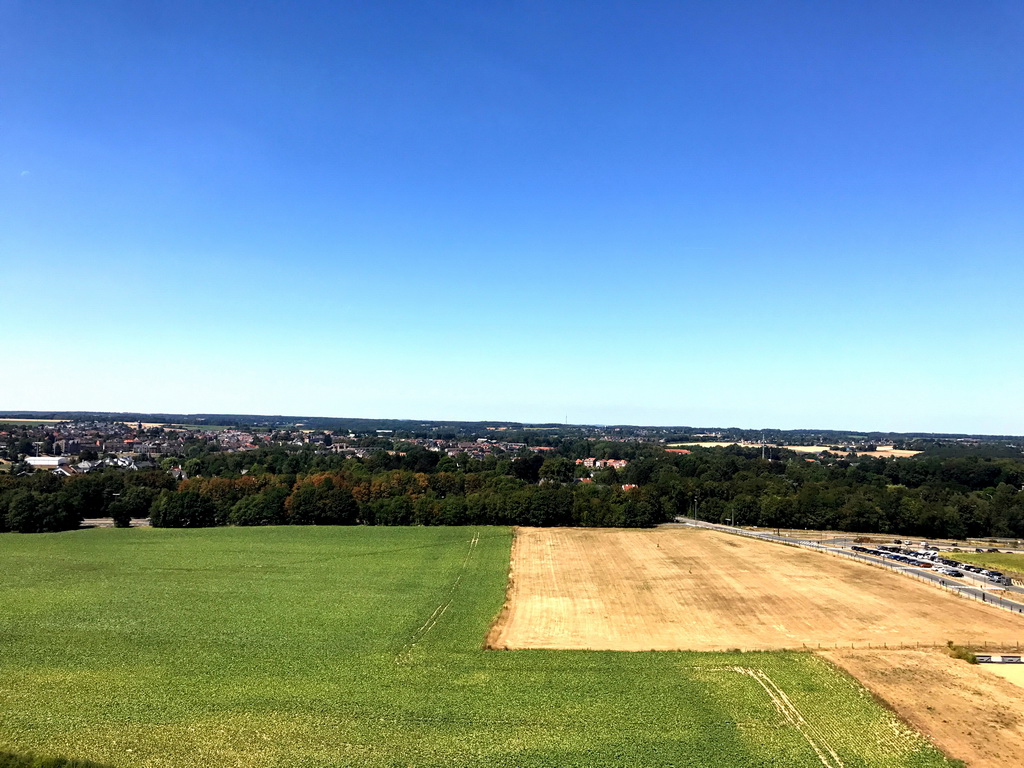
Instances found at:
x=788 y=214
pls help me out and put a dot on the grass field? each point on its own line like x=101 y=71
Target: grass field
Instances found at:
x=328 y=647
x=1005 y=562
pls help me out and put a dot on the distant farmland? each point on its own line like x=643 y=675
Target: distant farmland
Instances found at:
x=885 y=451
x=185 y=427
x=314 y=647
x=30 y=422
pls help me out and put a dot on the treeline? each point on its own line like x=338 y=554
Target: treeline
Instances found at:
x=949 y=497
x=43 y=502
x=399 y=497
x=952 y=498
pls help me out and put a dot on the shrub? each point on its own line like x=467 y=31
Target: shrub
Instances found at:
x=961 y=652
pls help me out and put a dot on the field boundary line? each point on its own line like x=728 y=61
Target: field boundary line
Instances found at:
x=405 y=654
x=498 y=624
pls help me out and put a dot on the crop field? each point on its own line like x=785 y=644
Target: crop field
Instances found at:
x=695 y=589
x=883 y=451
x=29 y=422
x=1006 y=562
x=325 y=647
x=179 y=427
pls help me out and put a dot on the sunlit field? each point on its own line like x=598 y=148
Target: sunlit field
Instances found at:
x=313 y=647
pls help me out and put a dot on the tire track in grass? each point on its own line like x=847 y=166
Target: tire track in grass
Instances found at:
x=404 y=656
x=826 y=755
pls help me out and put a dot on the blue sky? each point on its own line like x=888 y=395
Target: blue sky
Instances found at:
x=789 y=214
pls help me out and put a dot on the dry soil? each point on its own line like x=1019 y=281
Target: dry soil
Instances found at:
x=692 y=589
x=969 y=711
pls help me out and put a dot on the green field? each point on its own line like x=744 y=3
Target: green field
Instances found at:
x=1010 y=564
x=303 y=647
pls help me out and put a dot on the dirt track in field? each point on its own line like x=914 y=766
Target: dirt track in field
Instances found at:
x=692 y=589
x=969 y=711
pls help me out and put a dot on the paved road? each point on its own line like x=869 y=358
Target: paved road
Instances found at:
x=969 y=577
x=984 y=592
x=107 y=522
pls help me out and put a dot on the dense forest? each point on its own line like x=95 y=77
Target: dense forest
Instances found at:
x=955 y=497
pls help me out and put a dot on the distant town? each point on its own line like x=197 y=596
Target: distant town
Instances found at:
x=76 y=443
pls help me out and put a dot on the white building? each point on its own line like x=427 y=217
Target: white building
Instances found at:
x=46 y=462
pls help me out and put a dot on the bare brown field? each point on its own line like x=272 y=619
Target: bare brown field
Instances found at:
x=884 y=451
x=969 y=711
x=694 y=589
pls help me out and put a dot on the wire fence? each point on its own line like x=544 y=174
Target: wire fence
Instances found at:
x=1004 y=647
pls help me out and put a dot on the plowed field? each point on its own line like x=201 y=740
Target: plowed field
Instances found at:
x=691 y=589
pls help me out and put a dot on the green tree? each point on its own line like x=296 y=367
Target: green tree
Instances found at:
x=182 y=509
x=557 y=469
x=322 y=504
x=134 y=502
